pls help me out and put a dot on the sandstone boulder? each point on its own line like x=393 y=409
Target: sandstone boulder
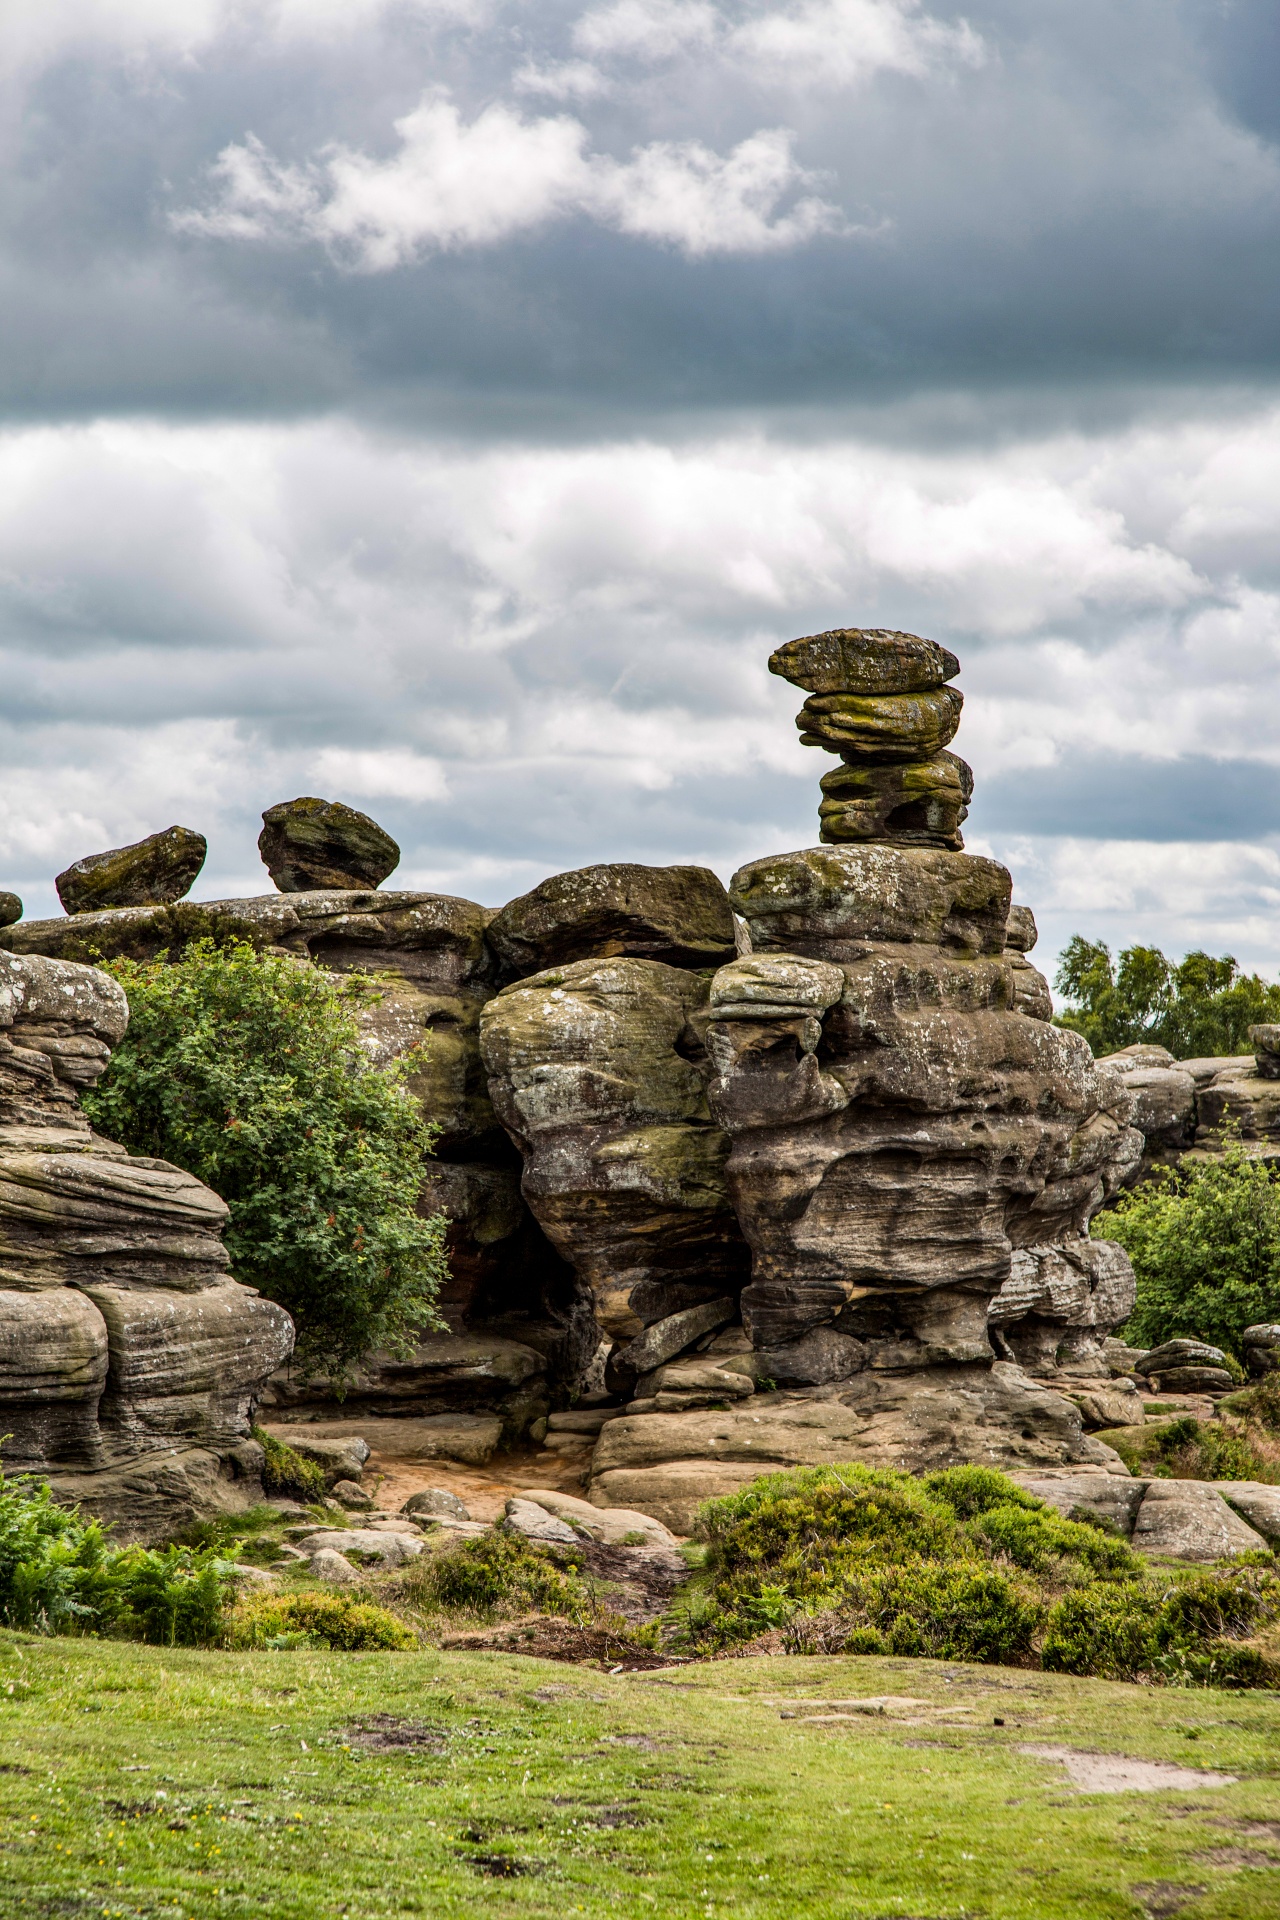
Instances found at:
x=921 y=803
x=1020 y=933
x=612 y=1526
x=594 y=1071
x=338 y=1459
x=1257 y=1504
x=678 y=915
x=469 y=1438
x=1262 y=1348
x=10 y=909
x=867 y=660
x=1190 y=1520
x=150 y=873
x=829 y=902
x=309 y=843
x=1059 y=1303
x=535 y=1523
x=1114 y=1498
x=886 y=728
x=435 y=1503
x=333 y=1568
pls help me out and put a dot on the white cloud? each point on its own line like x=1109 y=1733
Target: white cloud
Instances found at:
x=465 y=184
x=389 y=774
x=837 y=43
x=647 y=29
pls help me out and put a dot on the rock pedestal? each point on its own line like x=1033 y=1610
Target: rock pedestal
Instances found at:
x=130 y=1359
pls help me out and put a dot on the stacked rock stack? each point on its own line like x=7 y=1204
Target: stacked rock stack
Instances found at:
x=880 y=700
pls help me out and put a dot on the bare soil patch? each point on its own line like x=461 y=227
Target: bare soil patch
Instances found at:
x=1122 y=1773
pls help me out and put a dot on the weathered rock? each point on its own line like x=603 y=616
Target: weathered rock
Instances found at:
x=1257 y=1504
x=664 y=1339
x=1266 y=1054
x=150 y=873
x=1189 y=1520
x=1104 y=1407
x=121 y=1334
x=1113 y=1498
x=341 y=1459
x=593 y=1069
x=667 y=1464
x=535 y=1523
x=1194 y=1380
x=1262 y=1348
x=392 y=1547
x=820 y=1358
x=469 y=1438
x=1143 y=1054
x=881 y=728
x=1020 y=933
x=678 y=915
x=445 y=1374
x=333 y=1568
x=10 y=909
x=1164 y=1111
x=435 y=1502
x=1206 y=1069
x=350 y=1494
x=1180 y=1353
x=919 y=804
x=610 y=1525
x=829 y=902
x=863 y=660
x=309 y=843
x=1243 y=1103
x=1060 y=1302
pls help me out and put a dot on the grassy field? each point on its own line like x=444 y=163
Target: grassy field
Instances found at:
x=142 y=1781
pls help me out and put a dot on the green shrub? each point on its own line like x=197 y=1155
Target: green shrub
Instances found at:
x=945 y=1613
x=1189 y=1449
x=1205 y=1247
x=171 y=1596
x=331 y=1620
x=1041 y=1540
x=247 y=1070
x=284 y=1471
x=1188 y=1634
x=499 y=1572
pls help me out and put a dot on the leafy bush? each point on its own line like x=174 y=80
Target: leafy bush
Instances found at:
x=1191 y=1449
x=246 y=1069
x=1197 y=1006
x=59 y=1574
x=284 y=1471
x=315 y=1620
x=1191 y=1633
x=498 y=1572
x=1205 y=1247
x=964 y=1565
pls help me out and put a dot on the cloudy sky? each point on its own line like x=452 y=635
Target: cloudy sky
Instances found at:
x=446 y=405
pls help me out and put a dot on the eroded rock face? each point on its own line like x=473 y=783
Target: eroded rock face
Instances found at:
x=309 y=843
x=149 y=873
x=678 y=915
x=124 y=1343
x=10 y=909
x=596 y=1071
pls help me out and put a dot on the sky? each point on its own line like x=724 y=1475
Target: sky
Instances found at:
x=445 y=406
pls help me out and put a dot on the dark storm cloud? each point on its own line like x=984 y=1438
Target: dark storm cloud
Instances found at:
x=1077 y=192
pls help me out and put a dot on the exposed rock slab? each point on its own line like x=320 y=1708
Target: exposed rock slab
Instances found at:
x=149 y=873
x=470 y=1438
x=678 y=915
x=1190 y=1520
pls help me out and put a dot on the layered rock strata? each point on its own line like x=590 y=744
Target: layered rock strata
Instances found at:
x=880 y=700
x=130 y=1359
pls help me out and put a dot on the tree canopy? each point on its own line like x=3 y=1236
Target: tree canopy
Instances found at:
x=246 y=1069
x=1196 y=1006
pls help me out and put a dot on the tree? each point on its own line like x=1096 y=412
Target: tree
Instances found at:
x=1205 y=1247
x=1200 y=1006
x=246 y=1069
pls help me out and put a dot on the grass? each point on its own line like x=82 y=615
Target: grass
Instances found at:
x=140 y=1780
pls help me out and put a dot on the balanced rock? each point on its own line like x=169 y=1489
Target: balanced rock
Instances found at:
x=10 y=909
x=308 y=844
x=678 y=915
x=150 y=873
x=880 y=700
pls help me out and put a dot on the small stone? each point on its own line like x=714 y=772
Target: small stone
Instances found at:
x=666 y=1338
x=329 y=1565
x=920 y=804
x=881 y=728
x=310 y=845
x=350 y=1494
x=535 y=1523
x=863 y=660
x=150 y=873
x=10 y=909
x=436 y=1501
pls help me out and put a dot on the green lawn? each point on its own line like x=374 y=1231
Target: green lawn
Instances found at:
x=135 y=1780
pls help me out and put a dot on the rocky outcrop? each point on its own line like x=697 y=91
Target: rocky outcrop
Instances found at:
x=1195 y=1520
x=309 y=843
x=10 y=909
x=130 y=1359
x=150 y=873
x=678 y=915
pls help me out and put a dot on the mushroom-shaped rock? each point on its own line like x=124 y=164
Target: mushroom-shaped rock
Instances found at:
x=148 y=873
x=309 y=844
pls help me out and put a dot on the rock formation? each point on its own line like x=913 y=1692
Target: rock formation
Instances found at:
x=10 y=909
x=881 y=701
x=308 y=844
x=130 y=1359
x=679 y=915
x=150 y=873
